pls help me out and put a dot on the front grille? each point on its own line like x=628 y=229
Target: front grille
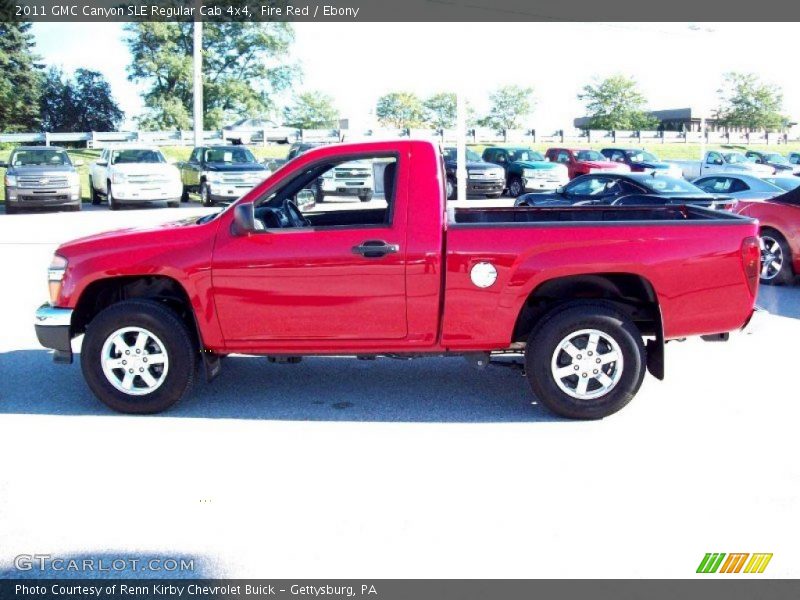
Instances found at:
x=147 y=179
x=40 y=197
x=351 y=173
x=41 y=182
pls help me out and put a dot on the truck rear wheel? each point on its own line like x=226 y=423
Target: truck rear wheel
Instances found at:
x=776 y=258
x=585 y=361
x=138 y=357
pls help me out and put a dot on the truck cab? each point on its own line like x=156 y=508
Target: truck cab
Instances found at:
x=41 y=177
x=526 y=170
x=583 y=161
x=586 y=297
x=220 y=173
x=134 y=175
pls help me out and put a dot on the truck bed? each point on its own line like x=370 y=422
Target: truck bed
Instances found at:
x=672 y=214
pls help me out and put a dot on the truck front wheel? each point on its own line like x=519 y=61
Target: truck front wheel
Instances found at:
x=585 y=361
x=515 y=187
x=365 y=197
x=138 y=357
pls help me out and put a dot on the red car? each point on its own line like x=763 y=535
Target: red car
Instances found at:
x=779 y=220
x=582 y=161
x=589 y=294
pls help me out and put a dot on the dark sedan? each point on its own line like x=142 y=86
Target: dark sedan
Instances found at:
x=625 y=188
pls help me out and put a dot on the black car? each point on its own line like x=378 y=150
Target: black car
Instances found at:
x=625 y=189
x=483 y=178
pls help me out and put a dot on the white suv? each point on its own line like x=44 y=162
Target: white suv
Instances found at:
x=134 y=174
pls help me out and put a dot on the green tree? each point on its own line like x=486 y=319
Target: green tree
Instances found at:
x=83 y=103
x=311 y=110
x=616 y=103
x=401 y=110
x=745 y=101
x=20 y=78
x=244 y=67
x=440 y=110
x=509 y=106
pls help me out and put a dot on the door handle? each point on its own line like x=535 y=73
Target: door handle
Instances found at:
x=375 y=249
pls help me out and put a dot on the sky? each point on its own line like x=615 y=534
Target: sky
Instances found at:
x=676 y=64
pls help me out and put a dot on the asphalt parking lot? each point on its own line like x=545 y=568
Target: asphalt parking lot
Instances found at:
x=337 y=467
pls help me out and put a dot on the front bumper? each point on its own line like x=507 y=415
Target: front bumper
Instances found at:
x=40 y=198
x=536 y=184
x=360 y=187
x=229 y=191
x=755 y=321
x=477 y=186
x=127 y=192
x=54 y=330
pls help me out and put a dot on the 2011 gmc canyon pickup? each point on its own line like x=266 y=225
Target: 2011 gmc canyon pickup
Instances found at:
x=577 y=288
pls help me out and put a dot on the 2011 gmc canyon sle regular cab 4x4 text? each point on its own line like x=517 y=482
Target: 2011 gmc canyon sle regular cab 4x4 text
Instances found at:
x=577 y=288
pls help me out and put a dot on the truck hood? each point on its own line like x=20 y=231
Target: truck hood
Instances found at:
x=235 y=168
x=600 y=164
x=472 y=164
x=656 y=166
x=536 y=164
x=122 y=237
x=41 y=170
x=145 y=168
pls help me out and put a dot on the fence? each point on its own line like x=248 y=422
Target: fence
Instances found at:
x=478 y=135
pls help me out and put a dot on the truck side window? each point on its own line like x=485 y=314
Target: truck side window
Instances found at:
x=562 y=157
x=714 y=159
x=355 y=193
x=195 y=158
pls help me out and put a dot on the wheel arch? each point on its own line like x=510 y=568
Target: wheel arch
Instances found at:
x=631 y=293
x=105 y=292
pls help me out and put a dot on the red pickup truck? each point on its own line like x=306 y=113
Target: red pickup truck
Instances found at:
x=577 y=289
x=582 y=161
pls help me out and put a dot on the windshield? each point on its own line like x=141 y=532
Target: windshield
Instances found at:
x=785 y=183
x=53 y=158
x=472 y=156
x=588 y=155
x=230 y=156
x=673 y=185
x=736 y=158
x=525 y=154
x=638 y=156
x=776 y=158
x=136 y=156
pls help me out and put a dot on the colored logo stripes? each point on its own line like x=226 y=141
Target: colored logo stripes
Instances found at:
x=734 y=563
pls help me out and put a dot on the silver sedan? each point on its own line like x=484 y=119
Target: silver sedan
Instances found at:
x=739 y=185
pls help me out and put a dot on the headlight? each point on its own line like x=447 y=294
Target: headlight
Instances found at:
x=55 y=276
x=498 y=173
x=11 y=180
x=529 y=173
x=73 y=179
x=213 y=177
x=117 y=177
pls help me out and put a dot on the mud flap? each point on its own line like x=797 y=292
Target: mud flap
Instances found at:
x=655 y=351
x=212 y=365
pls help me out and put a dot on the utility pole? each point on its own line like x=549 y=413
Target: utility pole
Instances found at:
x=197 y=63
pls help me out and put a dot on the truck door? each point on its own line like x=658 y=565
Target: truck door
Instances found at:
x=713 y=163
x=191 y=170
x=334 y=271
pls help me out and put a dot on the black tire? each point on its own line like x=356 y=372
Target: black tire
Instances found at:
x=96 y=199
x=205 y=194
x=173 y=204
x=515 y=187
x=783 y=253
x=365 y=197
x=319 y=194
x=451 y=188
x=10 y=210
x=185 y=195
x=112 y=203
x=570 y=319
x=155 y=317
x=74 y=208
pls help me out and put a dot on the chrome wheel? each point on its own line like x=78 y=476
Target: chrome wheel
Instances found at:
x=771 y=257
x=587 y=364
x=134 y=361
x=450 y=189
x=515 y=189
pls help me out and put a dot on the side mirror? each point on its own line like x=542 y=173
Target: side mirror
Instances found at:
x=244 y=219
x=78 y=163
x=305 y=199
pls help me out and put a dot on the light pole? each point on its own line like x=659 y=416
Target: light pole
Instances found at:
x=197 y=64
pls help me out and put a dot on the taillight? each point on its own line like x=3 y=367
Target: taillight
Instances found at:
x=751 y=261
